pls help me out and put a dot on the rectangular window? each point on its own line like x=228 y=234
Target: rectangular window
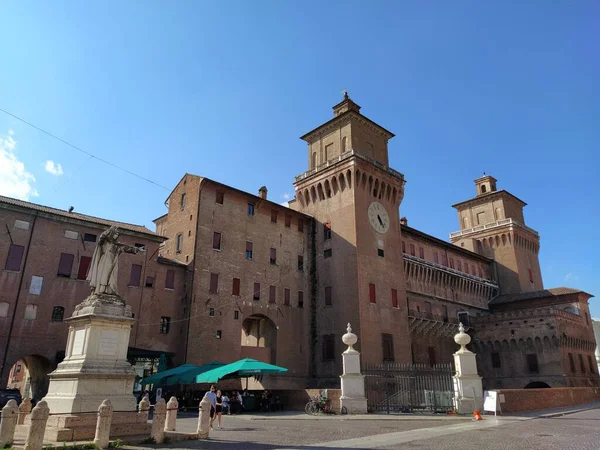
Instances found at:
x=463 y=317
x=274 y=213
x=328 y=299
x=301 y=225
x=431 y=354
x=236 y=315
x=211 y=312
x=21 y=224
x=170 y=280
x=179 y=242
x=436 y=258
x=250 y=209
x=273 y=256
x=216 y=241
x=466 y=267
x=149 y=281
x=421 y=253
x=452 y=263
x=328 y=347
x=480 y=273
x=30 y=312
x=219 y=334
x=165 y=324
x=286 y=297
x=256 y=295
x=445 y=313
x=327 y=231
x=403 y=247
x=372 y=295
x=480 y=218
x=300 y=263
x=327 y=253
x=288 y=220
x=15 y=254
x=65 y=265
x=214 y=283
x=182 y=202
x=249 y=248
x=235 y=289
x=380 y=252
x=135 y=275
x=530 y=276
x=300 y=299
x=84 y=265
x=459 y=266
x=220 y=197
x=394 y=298
x=496 y=363
x=387 y=344
x=532 y=363
x=581 y=364
x=58 y=313
x=444 y=261
x=272 y=294
x=87 y=237
x=412 y=249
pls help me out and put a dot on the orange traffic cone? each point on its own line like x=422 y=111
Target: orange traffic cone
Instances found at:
x=477 y=415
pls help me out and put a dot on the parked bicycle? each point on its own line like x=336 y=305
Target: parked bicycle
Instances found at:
x=318 y=405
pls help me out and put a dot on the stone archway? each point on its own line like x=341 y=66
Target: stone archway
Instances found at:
x=259 y=339
x=30 y=375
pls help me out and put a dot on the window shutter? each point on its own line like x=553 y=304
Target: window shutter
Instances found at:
x=84 y=265
x=136 y=273
x=372 y=297
x=328 y=301
x=412 y=249
x=272 y=293
x=15 y=254
x=236 y=287
x=274 y=216
x=217 y=241
x=394 y=298
x=248 y=246
x=256 y=291
x=65 y=265
x=300 y=299
x=421 y=253
x=300 y=225
x=273 y=255
x=214 y=283
x=170 y=280
x=288 y=220
x=286 y=297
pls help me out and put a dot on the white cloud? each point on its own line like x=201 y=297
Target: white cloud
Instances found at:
x=15 y=181
x=53 y=168
x=568 y=276
x=286 y=196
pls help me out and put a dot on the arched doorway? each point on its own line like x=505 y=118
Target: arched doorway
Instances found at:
x=259 y=339
x=537 y=385
x=30 y=376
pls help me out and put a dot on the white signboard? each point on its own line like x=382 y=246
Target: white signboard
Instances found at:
x=490 y=401
x=35 y=287
x=109 y=343
x=78 y=341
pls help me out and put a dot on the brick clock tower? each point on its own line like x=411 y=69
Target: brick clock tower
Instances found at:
x=492 y=224
x=354 y=197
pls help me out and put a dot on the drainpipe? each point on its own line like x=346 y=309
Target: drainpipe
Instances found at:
x=12 y=320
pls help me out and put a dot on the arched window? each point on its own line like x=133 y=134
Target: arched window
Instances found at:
x=58 y=313
x=483 y=189
x=343 y=144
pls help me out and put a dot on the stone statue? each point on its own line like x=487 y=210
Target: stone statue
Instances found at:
x=104 y=267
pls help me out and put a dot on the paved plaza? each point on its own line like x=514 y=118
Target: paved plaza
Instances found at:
x=576 y=430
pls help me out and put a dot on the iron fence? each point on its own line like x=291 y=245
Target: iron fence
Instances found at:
x=408 y=388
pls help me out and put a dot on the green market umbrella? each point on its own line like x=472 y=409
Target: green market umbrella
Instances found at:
x=183 y=374
x=240 y=369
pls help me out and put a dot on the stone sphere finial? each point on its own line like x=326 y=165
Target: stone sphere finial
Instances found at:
x=462 y=339
x=349 y=338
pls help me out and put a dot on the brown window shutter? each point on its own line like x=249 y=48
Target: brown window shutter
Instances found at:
x=300 y=299
x=273 y=256
x=328 y=300
x=84 y=265
x=214 y=283
x=256 y=291
x=65 y=265
x=272 y=294
x=248 y=246
x=288 y=220
x=136 y=273
x=217 y=241
x=372 y=297
x=236 y=287
x=15 y=255
x=286 y=297
x=274 y=215
x=394 y=298
x=170 y=280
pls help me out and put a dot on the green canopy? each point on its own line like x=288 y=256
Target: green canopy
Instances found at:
x=240 y=369
x=183 y=374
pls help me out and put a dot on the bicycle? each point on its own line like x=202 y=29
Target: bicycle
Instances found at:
x=317 y=404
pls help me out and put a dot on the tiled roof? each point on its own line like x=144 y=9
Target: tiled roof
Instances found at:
x=554 y=292
x=76 y=215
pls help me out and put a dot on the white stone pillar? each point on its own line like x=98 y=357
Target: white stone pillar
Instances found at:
x=102 y=437
x=353 y=382
x=9 y=423
x=204 y=418
x=468 y=390
x=158 y=421
x=24 y=410
x=39 y=418
x=172 y=408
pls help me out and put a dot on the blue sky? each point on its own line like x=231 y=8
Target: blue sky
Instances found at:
x=224 y=90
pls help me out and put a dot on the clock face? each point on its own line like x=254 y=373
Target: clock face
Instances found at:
x=378 y=217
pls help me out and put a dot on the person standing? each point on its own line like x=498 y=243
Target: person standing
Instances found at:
x=212 y=396
x=219 y=408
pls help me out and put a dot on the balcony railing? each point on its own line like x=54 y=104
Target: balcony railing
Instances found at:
x=489 y=226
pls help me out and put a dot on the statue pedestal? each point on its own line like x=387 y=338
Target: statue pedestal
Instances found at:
x=95 y=368
x=468 y=389
x=353 y=383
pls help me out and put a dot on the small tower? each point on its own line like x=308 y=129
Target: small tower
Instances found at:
x=492 y=224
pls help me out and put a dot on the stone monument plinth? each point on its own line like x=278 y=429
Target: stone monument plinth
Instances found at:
x=353 y=382
x=468 y=389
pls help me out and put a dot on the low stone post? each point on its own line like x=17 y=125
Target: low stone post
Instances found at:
x=468 y=389
x=39 y=418
x=102 y=437
x=204 y=418
x=24 y=410
x=158 y=421
x=9 y=423
x=353 y=382
x=172 y=408
x=144 y=407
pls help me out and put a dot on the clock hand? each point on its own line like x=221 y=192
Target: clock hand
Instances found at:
x=380 y=221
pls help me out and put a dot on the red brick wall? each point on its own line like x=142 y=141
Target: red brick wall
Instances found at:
x=517 y=400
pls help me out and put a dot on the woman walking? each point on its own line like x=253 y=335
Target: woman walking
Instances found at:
x=219 y=408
